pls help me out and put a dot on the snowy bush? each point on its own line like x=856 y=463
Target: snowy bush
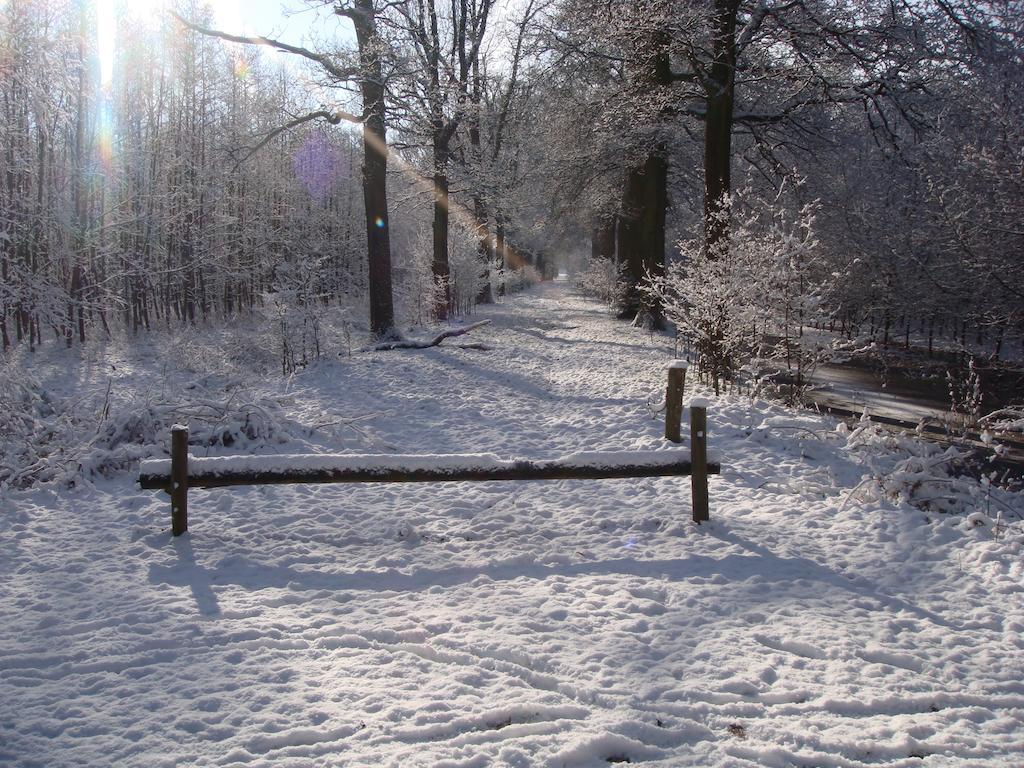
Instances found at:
x=418 y=294
x=604 y=280
x=748 y=296
x=965 y=394
x=515 y=280
x=468 y=276
x=1009 y=419
x=31 y=423
x=927 y=476
x=924 y=475
x=45 y=438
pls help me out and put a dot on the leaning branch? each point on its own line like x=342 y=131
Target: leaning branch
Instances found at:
x=341 y=73
x=321 y=114
x=389 y=345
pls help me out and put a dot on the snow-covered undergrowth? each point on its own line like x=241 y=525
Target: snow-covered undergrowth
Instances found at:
x=53 y=438
x=851 y=603
x=71 y=420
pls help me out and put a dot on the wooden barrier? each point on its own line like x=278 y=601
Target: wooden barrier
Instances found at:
x=182 y=472
x=179 y=479
x=674 y=400
x=699 y=451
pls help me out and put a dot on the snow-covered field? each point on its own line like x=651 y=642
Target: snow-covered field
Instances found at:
x=825 y=617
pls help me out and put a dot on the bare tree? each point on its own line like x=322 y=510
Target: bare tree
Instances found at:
x=369 y=74
x=446 y=51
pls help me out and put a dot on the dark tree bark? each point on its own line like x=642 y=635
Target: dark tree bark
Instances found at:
x=718 y=126
x=441 y=135
x=602 y=245
x=375 y=169
x=440 y=265
x=642 y=236
x=642 y=228
x=486 y=295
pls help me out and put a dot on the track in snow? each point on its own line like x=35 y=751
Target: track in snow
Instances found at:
x=517 y=624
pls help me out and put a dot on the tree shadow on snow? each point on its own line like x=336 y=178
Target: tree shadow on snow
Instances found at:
x=803 y=568
x=253 y=575
x=562 y=340
x=188 y=573
x=520 y=384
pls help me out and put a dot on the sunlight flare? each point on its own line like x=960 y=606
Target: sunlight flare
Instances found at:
x=105 y=137
x=106 y=40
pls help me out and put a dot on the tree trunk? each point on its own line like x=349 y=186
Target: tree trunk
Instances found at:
x=375 y=168
x=646 y=198
x=652 y=232
x=486 y=296
x=500 y=251
x=627 y=246
x=440 y=266
x=603 y=238
x=718 y=122
x=642 y=236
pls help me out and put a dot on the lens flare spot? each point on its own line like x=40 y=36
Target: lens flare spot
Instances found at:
x=105 y=137
x=318 y=165
x=379 y=222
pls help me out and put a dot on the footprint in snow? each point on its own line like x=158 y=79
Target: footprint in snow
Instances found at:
x=877 y=655
x=796 y=647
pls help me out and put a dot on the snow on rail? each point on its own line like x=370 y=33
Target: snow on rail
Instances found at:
x=304 y=468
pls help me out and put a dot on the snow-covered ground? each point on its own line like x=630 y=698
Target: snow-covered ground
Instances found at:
x=827 y=615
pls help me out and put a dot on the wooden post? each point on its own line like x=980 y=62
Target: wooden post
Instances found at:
x=674 y=400
x=179 y=480
x=699 y=459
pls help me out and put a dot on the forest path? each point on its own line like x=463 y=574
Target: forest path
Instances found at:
x=566 y=623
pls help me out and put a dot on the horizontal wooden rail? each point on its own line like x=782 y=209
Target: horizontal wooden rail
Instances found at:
x=414 y=468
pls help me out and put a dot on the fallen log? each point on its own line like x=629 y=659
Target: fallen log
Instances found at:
x=407 y=344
